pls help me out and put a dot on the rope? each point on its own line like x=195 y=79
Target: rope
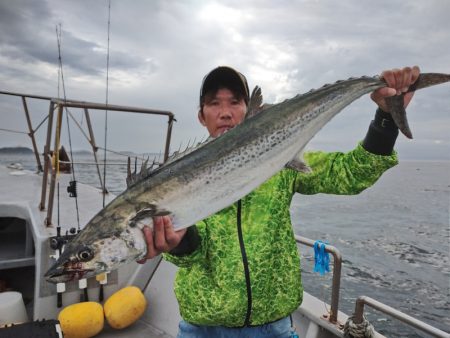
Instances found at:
x=40 y=124
x=140 y=156
x=361 y=330
x=14 y=131
x=106 y=111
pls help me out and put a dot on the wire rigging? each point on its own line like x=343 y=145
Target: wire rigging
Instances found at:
x=60 y=71
x=106 y=103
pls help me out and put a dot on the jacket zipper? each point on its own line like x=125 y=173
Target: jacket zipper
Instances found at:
x=245 y=263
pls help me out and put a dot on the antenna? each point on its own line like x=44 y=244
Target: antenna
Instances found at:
x=106 y=103
x=56 y=151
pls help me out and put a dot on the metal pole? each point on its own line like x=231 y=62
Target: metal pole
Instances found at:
x=46 y=154
x=337 y=264
x=31 y=134
x=94 y=147
x=168 y=137
x=403 y=317
x=48 y=220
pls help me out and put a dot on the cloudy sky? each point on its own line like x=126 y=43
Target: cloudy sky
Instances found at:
x=160 y=51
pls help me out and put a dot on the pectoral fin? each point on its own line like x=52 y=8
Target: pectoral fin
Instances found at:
x=298 y=164
x=147 y=213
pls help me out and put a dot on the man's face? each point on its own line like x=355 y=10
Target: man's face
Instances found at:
x=222 y=112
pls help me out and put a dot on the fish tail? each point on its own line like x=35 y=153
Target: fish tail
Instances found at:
x=398 y=113
x=396 y=103
x=429 y=79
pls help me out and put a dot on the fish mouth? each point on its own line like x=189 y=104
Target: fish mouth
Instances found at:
x=62 y=275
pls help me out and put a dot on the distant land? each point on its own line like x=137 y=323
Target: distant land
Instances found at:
x=16 y=150
x=26 y=151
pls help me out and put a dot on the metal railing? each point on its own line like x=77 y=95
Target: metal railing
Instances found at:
x=364 y=300
x=59 y=105
x=336 y=285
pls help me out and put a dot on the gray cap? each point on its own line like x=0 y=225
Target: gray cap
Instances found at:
x=225 y=76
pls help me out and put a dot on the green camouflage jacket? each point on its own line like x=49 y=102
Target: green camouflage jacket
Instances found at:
x=246 y=271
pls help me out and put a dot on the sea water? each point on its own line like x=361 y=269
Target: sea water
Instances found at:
x=394 y=238
x=395 y=241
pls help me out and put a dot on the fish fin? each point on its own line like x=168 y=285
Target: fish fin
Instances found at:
x=151 y=211
x=255 y=104
x=156 y=166
x=396 y=103
x=429 y=79
x=133 y=177
x=161 y=212
x=298 y=164
x=178 y=154
x=396 y=108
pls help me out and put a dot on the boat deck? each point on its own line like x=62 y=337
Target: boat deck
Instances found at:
x=30 y=248
x=22 y=188
x=138 y=329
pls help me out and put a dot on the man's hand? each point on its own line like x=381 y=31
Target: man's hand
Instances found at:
x=162 y=238
x=398 y=81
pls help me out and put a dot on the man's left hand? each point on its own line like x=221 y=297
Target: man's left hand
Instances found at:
x=398 y=82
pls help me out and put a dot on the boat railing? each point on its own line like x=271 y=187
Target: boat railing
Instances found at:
x=358 y=316
x=59 y=106
x=336 y=284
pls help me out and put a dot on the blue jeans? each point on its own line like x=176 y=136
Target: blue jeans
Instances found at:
x=280 y=329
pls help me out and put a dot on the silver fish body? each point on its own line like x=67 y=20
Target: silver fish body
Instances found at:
x=213 y=176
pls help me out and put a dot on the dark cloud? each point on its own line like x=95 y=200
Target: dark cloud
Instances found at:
x=160 y=50
x=29 y=35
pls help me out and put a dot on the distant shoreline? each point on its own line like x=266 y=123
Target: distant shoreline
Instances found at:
x=16 y=150
x=28 y=151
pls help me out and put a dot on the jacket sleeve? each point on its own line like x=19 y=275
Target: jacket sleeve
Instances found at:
x=342 y=173
x=192 y=248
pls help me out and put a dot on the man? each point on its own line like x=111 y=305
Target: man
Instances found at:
x=240 y=269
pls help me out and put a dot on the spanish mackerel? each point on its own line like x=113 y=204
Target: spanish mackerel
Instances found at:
x=214 y=175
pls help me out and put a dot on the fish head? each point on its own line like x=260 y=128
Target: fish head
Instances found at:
x=88 y=255
x=76 y=262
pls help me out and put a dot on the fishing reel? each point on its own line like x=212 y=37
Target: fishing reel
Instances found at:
x=57 y=242
x=72 y=189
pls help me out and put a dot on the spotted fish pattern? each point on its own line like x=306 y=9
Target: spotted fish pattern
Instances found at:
x=210 y=285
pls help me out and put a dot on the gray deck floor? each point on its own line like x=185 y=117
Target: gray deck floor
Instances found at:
x=138 y=329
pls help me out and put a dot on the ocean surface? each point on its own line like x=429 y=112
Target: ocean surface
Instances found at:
x=394 y=238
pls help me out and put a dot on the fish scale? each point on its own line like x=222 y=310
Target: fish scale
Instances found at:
x=203 y=181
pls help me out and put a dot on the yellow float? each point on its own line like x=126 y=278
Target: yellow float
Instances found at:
x=125 y=307
x=81 y=320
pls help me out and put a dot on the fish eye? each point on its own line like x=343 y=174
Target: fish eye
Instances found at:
x=85 y=254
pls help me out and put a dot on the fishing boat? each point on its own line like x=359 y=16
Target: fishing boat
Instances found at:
x=38 y=215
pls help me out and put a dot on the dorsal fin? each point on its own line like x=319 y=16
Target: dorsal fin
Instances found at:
x=133 y=177
x=178 y=154
x=255 y=103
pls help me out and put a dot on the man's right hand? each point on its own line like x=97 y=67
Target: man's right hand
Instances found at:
x=162 y=238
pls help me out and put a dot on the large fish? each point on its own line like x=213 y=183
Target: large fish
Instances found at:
x=202 y=181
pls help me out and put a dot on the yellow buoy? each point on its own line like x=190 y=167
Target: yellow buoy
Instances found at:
x=81 y=320
x=125 y=307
